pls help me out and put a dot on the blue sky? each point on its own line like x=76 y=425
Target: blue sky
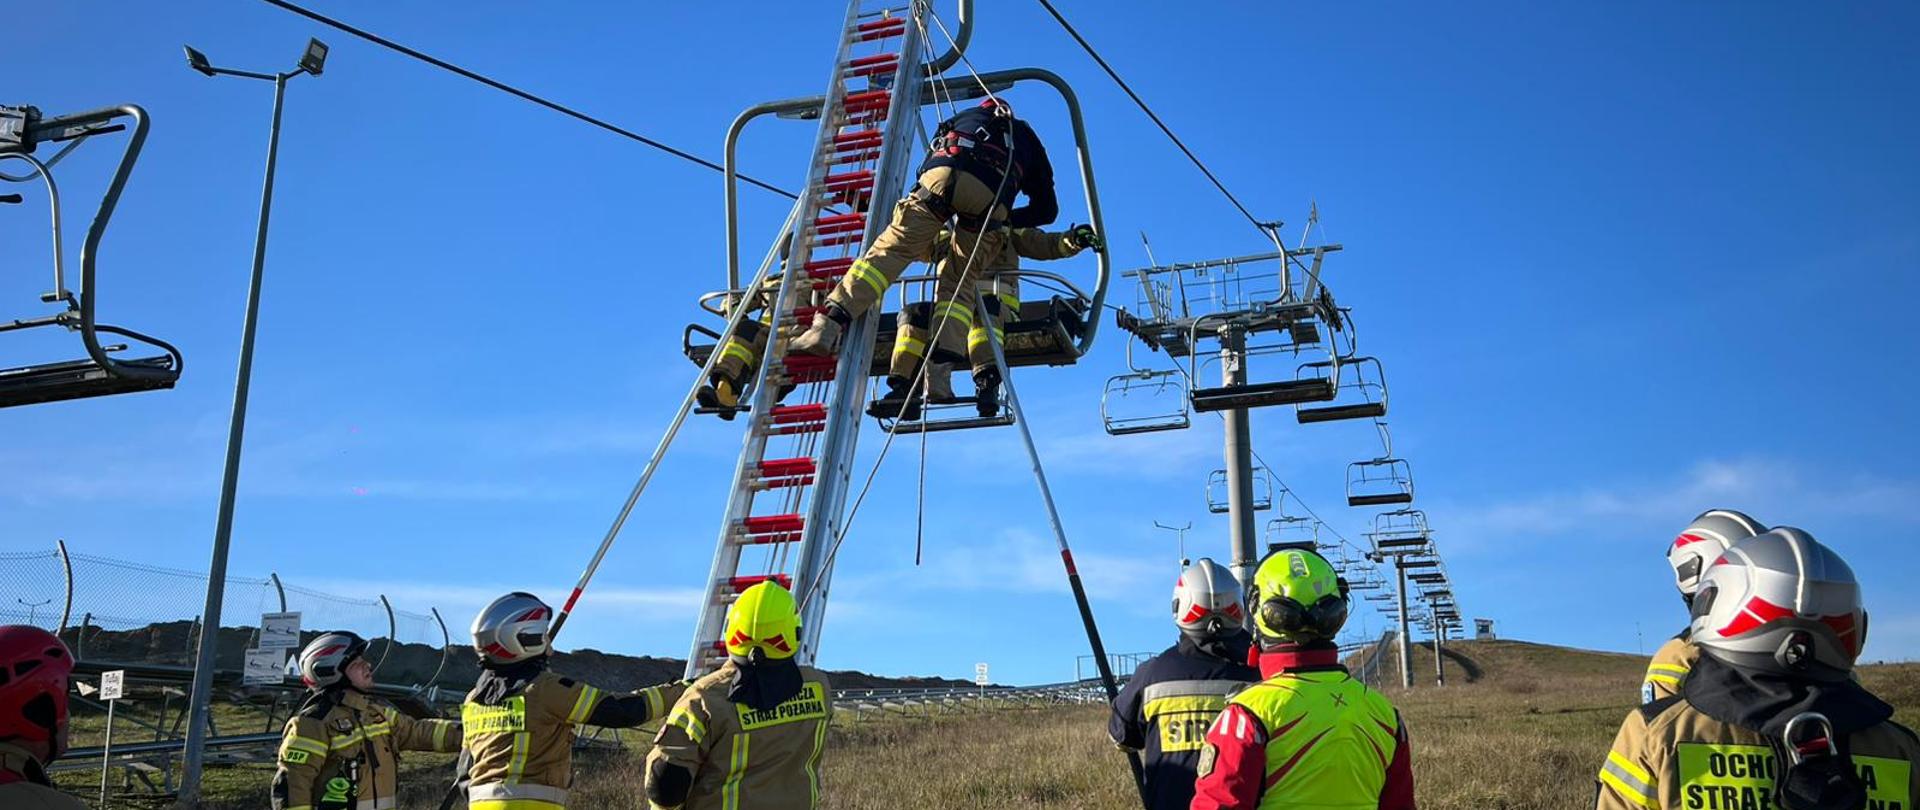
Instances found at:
x=1624 y=263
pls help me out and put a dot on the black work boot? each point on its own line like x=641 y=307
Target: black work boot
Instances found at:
x=986 y=386
x=721 y=394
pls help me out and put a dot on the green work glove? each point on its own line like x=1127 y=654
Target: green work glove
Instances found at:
x=1083 y=236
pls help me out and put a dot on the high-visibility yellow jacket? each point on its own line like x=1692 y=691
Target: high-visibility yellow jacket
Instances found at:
x=1668 y=669
x=342 y=750
x=1307 y=737
x=733 y=757
x=1669 y=755
x=24 y=785
x=522 y=746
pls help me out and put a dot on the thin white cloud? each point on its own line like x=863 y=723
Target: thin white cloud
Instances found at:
x=1774 y=490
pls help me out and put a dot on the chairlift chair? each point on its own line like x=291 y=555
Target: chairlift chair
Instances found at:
x=1379 y=482
x=99 y=373
x=1290 y=529
x=1400 y=531
x=1218 y=491
x=1360 y=390
x=1143 y=402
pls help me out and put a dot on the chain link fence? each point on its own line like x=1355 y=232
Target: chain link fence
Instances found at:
x=122 y=612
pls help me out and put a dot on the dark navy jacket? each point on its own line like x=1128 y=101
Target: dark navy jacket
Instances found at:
x=1035 y=172
x=1166 y=707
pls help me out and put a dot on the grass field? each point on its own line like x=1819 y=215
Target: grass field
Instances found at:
x=1517 y=726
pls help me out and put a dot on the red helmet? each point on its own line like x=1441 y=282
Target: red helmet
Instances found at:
x=996 y=101
x=34 y=666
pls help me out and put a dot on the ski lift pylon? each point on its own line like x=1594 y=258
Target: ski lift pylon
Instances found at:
x=1379 y=482
x=99 y=373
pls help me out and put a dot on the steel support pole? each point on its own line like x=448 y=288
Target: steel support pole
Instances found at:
x=1406 y=648
x=202 y=693
x=1439 y=666
x=1239 y=458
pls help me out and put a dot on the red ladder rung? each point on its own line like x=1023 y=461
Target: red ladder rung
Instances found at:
x=791 y=414
x=858 y=136
x=838 y=265
x=786 y=467
x=848 y=180
x=866 y=100
x=876 y=59
x=838 y=239
x=739 y=584
x=880 y=29
x=839 y=222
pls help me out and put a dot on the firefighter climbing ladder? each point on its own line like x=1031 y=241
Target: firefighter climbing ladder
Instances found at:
x=791 y=482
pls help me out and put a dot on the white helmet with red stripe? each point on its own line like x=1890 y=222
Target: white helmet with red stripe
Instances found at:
x=512 y=629
x=1703 y=541
x=1781 y=602
x=1207 y=601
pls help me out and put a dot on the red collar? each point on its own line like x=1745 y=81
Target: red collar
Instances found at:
x=1274 y=662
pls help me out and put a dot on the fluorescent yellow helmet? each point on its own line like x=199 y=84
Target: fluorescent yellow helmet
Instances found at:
x=1298 y=598
x=766 y=619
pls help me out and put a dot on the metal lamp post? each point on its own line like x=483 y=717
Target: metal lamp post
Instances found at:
x=313 y=61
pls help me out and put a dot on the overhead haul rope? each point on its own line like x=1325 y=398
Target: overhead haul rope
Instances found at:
x=1266 y=229
x=666 y=439
x=522 y=94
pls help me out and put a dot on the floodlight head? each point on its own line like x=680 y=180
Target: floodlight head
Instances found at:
x=198 y=61
x=315 y=59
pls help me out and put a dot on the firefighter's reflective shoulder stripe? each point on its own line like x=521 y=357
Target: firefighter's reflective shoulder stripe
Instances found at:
x=809 y=704
x=1668 y=669
x=1183 y=710
x=1729 y=777
x=683 y=718
x=1629 y=780
x=584 y=704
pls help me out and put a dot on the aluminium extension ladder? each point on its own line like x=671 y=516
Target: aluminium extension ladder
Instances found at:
x=790 y=485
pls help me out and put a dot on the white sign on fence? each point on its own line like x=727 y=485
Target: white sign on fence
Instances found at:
x=279 y=631
x=265 y=667
x=980 y=674
x=113 y=685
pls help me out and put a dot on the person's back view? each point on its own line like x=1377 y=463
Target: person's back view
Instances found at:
x=1170 y=700
x=518 y=722
x=1310 y=735
x=749 y=735
x=1770 y=716
x=1697 y=546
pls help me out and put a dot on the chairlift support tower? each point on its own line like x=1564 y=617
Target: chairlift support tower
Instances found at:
x=1232 y=302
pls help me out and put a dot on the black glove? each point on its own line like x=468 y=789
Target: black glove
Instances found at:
x=1083 y=236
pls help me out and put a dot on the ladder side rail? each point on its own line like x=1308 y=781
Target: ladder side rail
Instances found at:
x=824 y=514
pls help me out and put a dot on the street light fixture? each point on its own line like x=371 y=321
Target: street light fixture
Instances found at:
x=313 y=61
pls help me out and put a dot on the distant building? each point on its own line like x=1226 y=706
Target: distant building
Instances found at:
x=1483 y=629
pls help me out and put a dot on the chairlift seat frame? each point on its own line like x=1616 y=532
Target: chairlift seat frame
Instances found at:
x=99 y=373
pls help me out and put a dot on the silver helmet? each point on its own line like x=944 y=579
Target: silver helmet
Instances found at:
x=1703 y=541
x=512 y=629
x=1781 y=602
x=324 y=661
x=1207 y=601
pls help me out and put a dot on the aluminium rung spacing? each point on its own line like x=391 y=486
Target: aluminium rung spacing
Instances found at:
x=857 y=161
